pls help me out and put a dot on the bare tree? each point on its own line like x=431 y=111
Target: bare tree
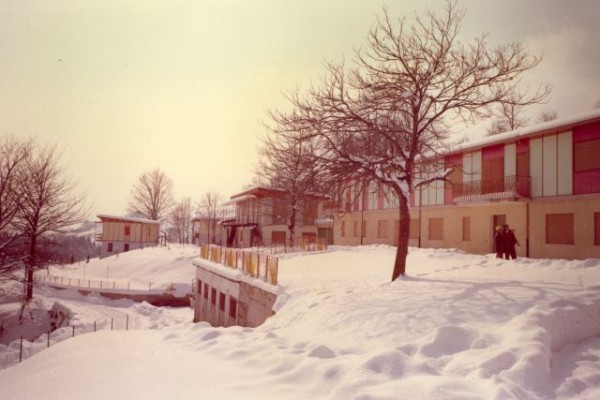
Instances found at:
x=180 y=219
x=48 y=205
x=287 y=164
x=546 y=116
x=209 y=208
x=509 y=118
x=152 y=195
x=380 y=120
x=13 y=156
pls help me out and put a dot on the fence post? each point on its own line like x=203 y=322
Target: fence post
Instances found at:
x=127 y=322
x=48 y=339
x=94 y=326
x=21 y=350
x=73 y=335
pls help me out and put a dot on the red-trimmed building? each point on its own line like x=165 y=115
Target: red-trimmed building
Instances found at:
x=543 y=180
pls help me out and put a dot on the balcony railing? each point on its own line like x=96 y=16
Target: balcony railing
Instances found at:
x=515 y=186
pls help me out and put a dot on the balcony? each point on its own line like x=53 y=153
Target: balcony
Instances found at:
x=509 y=187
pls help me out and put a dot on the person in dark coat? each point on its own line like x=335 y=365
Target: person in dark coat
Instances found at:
x=510 y=240
x=499 y=242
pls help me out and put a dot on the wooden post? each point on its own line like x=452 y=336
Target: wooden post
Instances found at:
x=127 y=322
x=21 y=350
x=94 y=326
x=73 y=335
x=48 y=339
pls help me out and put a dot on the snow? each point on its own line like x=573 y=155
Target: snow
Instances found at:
x=459 y=326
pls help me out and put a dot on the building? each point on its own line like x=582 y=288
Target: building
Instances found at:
x=207 y=230
x=258 y=216
x=544 y=181
x=121 y=234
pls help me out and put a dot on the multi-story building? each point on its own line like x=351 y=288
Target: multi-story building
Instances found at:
x=121 y=234
x=543 y=180
x=259 y=216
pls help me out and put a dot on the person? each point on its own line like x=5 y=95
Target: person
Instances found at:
x=499 y=242
x=510 y=240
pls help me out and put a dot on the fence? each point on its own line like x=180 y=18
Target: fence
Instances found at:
x=254 y=264
x=28 y=349
x=84 y=283
x=297 y=244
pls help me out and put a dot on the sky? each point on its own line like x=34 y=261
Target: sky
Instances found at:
x=123 y=87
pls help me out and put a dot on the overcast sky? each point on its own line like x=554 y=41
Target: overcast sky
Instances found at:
x=123 y=87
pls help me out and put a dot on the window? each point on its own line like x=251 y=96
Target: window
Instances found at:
x=343 y=229
x=466 y=229
x=206 y=287
x=586 y=155
x=382 y=229
x=222 y=301
x=415 y=227
x=127 y=230
x=278 y=237
x=560 y=229
x=355 y=229
x=597 y=228
x=213 y=296
x=232 y=307
x=126 y=247
x=436 y=228
x=109 y=247
x=492 y=169
x=363 y=231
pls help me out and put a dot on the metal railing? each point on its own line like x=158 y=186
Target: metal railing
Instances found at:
x=507 y=187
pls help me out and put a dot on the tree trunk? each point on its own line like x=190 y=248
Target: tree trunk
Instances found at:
x=403 y=237
x=30 y=268
x=292 y=226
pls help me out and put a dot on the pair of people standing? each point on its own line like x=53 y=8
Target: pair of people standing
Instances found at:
x=505 y=241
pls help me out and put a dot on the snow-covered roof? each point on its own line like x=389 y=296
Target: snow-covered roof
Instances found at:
x=557 y=124
x=240 y=198
x=127 y=219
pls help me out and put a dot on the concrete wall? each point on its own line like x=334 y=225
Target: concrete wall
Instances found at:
x=223 y=299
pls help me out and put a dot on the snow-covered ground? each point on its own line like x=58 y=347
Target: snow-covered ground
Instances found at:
x=458 y=326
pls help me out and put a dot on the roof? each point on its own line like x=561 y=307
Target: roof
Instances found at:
x=106 y=217
x=529 y=131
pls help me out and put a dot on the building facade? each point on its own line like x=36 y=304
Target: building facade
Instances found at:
x=544 y=181
x=259 y=217
x=121 y=234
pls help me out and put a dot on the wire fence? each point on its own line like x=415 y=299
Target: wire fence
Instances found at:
x=52 y=337
x=257 y=265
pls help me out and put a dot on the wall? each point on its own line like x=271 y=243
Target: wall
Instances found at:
x=583 y=209
x=246 y=302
